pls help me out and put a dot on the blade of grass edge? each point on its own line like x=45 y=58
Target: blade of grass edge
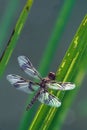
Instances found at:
x=70 y=96
x=49 y=54
x=45 y=114
x=14 y=36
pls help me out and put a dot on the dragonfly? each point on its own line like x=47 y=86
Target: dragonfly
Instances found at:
x=41 y=87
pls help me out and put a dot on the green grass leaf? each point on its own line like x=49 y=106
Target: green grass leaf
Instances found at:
x=56 y=35
x=14 y=37
x=48 y=117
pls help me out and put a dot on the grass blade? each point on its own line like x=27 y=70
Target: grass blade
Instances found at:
x=70 y=63
x=54 y=40
x=78 y=77
x=14 y=36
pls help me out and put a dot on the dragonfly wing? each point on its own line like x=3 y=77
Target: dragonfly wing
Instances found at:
x=21 y=84
x=60 y=85
x=67 y=85
x=27 y=67
x=48 y=99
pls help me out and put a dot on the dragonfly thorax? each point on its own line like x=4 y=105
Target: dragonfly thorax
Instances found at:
x=51 y=76
x=44 y=81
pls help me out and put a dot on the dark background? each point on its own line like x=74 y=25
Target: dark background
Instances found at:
x=31 y=43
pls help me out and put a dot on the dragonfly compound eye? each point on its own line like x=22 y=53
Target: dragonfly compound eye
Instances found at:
x=51 y=76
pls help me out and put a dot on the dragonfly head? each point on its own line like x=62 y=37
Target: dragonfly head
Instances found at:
x=51 y=76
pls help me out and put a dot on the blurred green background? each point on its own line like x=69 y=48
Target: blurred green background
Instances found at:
x=32 y=43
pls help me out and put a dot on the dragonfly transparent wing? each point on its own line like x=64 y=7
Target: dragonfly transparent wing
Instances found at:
x=48 y=99
x=60 y=85
x=21 y=84
x=27 y=67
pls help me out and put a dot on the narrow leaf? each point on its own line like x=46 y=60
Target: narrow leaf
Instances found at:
x=14 y=36
x=45 y=115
